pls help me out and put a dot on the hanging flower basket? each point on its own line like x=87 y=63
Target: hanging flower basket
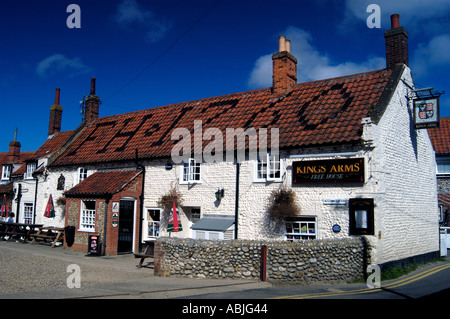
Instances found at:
x=166 y=201
x=282 y=204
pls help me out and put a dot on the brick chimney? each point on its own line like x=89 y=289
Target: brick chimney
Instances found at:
x=92 y=104
x=396 y=43
x=54 y=123
x=284 y=67
x=14 y=150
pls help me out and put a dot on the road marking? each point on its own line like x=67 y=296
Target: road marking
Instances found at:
x=391 y=285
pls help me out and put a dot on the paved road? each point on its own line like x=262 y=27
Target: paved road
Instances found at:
x=429 y=281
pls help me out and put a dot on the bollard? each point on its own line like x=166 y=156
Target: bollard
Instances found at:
x=264 y=263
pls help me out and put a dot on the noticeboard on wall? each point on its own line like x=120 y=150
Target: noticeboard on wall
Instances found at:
x=426 y=113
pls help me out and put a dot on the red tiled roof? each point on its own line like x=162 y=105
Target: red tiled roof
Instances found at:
x=440 y=137
x=6 y=188
x=24 y=156
x=314 y=113
x=103 y=183
x=52 y=144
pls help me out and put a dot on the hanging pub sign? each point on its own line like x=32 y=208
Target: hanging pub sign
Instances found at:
x=426 y=112
x=342 y=171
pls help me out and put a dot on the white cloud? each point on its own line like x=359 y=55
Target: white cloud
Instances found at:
x=60 y=64
x=312 y=64
x=130 y=13
x=433 y=54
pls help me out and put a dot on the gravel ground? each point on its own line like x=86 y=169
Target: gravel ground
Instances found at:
x=25 y=268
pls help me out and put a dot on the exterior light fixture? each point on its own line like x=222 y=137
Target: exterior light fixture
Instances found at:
x=220 y=194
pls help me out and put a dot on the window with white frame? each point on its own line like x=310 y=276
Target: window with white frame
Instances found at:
x=191 y=171
x=87 y=216
x=443 y=166
x=82 y=174
x=269 y=168
x=6 y=172
x=31 y=167
x=153 y=222
x=28 y=213
x=301 y=228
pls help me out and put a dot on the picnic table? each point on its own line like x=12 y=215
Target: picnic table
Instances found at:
x=52 y=233
x=148 y=252
x=18 y=229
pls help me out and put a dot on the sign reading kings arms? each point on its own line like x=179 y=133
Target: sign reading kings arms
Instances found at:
x=349 y=170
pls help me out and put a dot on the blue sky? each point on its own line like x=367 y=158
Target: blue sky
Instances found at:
x=150 y=53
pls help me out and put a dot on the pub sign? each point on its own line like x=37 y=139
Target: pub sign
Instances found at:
x=426 y=112
x=349 y=170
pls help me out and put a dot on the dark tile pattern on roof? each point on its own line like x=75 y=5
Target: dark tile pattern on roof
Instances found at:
x=313 y=113
x=103 y=183
x=440 y=137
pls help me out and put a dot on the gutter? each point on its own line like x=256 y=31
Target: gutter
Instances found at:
x=236 y=205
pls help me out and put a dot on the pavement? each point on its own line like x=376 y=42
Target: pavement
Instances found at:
x=54 y=273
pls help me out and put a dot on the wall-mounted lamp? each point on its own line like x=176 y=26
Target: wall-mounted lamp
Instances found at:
x=219 y=194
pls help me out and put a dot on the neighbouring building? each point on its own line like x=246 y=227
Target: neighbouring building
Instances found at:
x=13 y=162
x=30 y=181
x=440 y=138
x=347 y=149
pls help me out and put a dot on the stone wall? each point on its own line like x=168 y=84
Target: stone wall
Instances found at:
x=330 y=260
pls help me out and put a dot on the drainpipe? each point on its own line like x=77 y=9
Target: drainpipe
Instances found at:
x=141 y=200
x=236 y=205
x=35 y=199
x=19 y=195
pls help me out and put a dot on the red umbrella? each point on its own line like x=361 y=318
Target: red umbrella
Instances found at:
x=4 y=212
x=50 y=209
x=174 y=223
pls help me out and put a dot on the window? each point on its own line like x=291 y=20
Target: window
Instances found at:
x=443 y=166
x=28 y=213
x=6 y=172
x=209 y=235
x=31 y=167
x=191 y=171
x=195 y=215
x=299 y=228
x=87 y=218
x=153 y=222
x=361 y=216
x=269 y=168
x=82 y=174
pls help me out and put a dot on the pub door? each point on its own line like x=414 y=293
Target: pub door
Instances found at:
x=126 y=226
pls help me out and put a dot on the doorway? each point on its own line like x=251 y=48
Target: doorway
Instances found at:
x=126 y=226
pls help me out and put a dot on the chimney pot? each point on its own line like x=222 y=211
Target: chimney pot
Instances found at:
x=92 y=86
x=288 y=45
x=395 y=21
x=281 y=43
x=57 y=94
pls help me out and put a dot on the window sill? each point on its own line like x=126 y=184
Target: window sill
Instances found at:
x=190 y=182
x=81 y=230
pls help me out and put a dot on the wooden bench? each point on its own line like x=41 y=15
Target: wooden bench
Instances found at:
x=148 y=252
x=53 y=234
x=18 y=229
